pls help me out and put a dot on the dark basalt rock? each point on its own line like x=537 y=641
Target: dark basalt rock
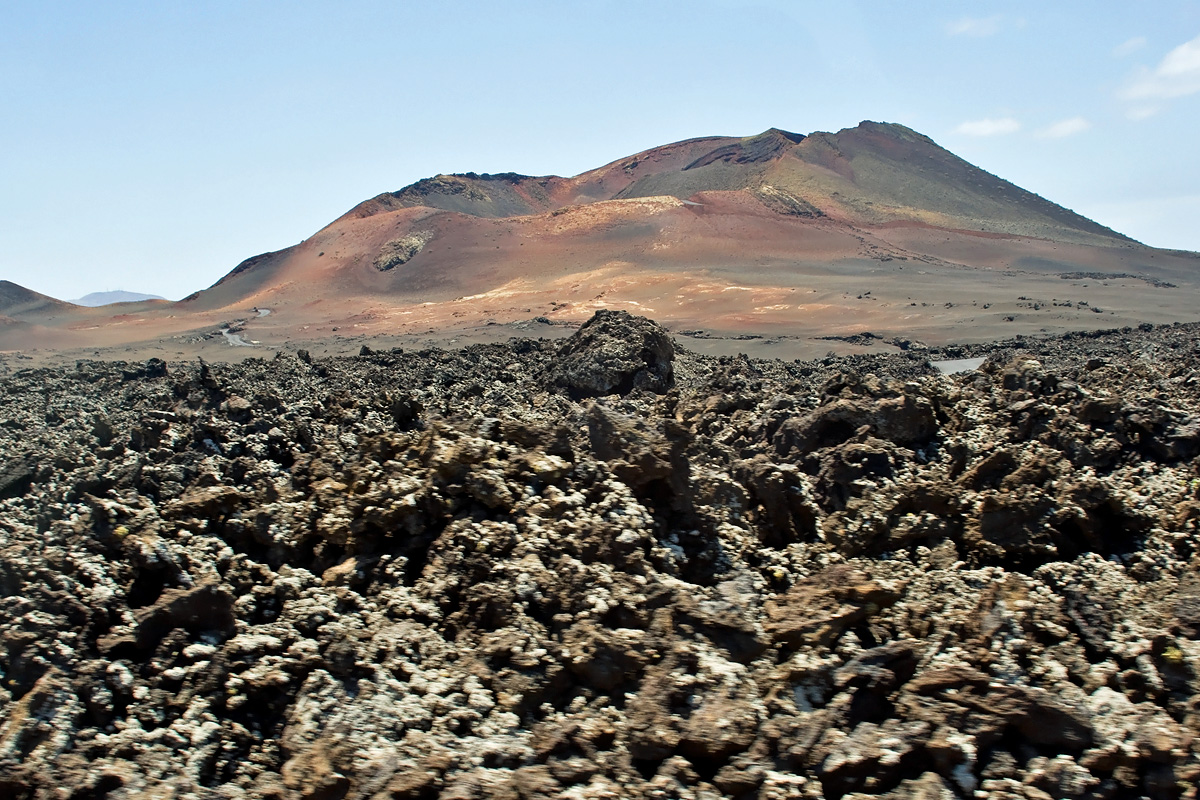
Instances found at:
x=614 y=353
x=205 y=608
x=601 y=567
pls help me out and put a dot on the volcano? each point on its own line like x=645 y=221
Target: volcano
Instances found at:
x=872 y=231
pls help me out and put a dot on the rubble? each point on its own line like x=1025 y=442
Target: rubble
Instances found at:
x=605 y=567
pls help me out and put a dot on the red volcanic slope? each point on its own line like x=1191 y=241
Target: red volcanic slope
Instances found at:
x=777 y=195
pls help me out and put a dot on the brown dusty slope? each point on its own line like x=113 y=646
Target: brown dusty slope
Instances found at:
x=779 y=235
x=17 y=301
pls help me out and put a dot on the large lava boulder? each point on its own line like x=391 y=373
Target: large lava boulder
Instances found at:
x=613 y=353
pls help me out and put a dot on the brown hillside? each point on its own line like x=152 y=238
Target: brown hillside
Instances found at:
x=16 y=301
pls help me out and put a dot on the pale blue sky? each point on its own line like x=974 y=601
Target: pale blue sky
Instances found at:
x=152 y=146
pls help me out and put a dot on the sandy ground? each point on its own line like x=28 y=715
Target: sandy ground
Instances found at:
x=931 y=306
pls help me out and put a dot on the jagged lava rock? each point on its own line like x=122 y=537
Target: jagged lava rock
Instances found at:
x=468 y=575
x=613 y=353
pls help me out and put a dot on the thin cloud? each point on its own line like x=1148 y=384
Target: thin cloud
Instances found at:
x=1129 y=46
x=975 y=26
x=989 y=127
x=1064 y=128
x=1177 y=75
x=1138 y=113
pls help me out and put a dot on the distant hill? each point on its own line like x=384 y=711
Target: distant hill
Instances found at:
x=726 y=203
x=17 y=301
x=106 y=298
